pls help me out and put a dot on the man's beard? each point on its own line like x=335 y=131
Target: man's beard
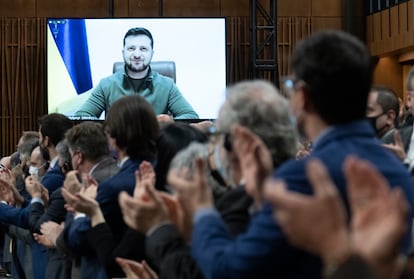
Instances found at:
x=137 y=69
x=45 y=153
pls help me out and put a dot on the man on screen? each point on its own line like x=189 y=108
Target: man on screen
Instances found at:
x=138 y=78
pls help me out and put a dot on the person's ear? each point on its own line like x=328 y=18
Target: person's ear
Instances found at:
x=391 y=116
x=46 y=141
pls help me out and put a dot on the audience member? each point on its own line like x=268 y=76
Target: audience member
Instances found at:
x=335 y=131
x=382 y=112
x=378 y=221
x=132 y=130
x=173 y=138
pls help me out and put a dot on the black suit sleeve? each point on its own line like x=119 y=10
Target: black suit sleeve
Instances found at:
x=168 y=252
x=106 y=249
x=355 y=267
x=56 y=212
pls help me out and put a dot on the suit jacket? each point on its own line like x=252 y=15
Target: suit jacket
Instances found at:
x=354 y=267
x=105 y=168
x=264 y=251
x=101 y=239
x=168 y=253
x=53 y=179
x=55 y=212
x=57 y=263
x=107 y=198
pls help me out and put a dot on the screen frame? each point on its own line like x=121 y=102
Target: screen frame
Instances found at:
x=219 y=94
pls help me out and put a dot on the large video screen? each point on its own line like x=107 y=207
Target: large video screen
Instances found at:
x=81 y=52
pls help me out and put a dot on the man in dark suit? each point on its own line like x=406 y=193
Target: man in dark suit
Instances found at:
x=328 y=98
x=132 y=130
x=52 y=128
x=382 y=112
x=89 y=141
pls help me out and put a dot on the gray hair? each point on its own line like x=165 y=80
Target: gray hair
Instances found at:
x=62 y=149
x=186 y=158
x=258 y=106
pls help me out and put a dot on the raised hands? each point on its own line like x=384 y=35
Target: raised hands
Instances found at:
x=192 y=190
x=378 y=220
x=255 y=160
x=50 y=232
x=83 y=201
x=315 y=223
x=397 y=147
x=379 y=217
x=136 y=270
x=146 y=209
x=36 y=190
x=8 y=190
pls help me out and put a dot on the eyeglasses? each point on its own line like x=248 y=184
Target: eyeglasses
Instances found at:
x=213 y=136
x=288 y=87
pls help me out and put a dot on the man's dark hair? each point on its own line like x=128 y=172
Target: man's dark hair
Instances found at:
x=89 y=138
x=173 y=138
x=131 y=121
x=337 y=70
x=387 y=99
x=54 y=126
x=137 y=31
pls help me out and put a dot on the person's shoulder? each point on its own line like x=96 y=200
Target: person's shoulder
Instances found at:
x=291 y=167
x=161 y=79
x=115 y=77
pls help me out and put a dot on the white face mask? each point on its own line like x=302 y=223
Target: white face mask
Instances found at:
x=33 y=171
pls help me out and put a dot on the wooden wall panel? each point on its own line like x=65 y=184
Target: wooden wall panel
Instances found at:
x=121 y=8
x=192 y=8
x=18 y=8
x=294 y=7
x=321 y=23
x=410 y=22
x=22 y=89
x=388 y=72
x=403 y=24
x=385 y=29
x=394 y=27
x=290 y=31
x=391 y=30
x=72 y=8
x=142 y=8
x=327 y=8
x=234 y=8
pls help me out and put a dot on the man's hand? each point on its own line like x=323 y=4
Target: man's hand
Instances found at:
x=192 y=190
x=50 y=231
x=255 y=161
x=298 y=213
x=146 y=209
x=41 y=239
x=7 y=176
x=72 y=182
x=136 y=270
x=165 y=118
x=33 y=187
x=80 y=202
x=397 y=147
x=379 y=216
